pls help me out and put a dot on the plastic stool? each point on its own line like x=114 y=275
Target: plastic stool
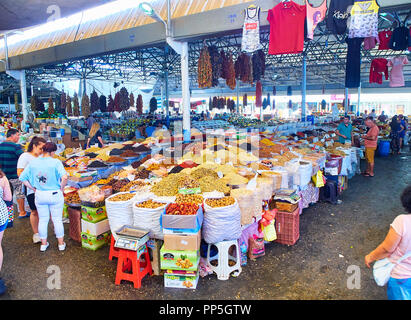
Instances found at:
x=137 y=271
x=223 y=269
x=113 y=250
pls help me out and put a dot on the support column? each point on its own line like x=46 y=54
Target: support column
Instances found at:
x=167 y=99
x=346 y=101
x=359 y=100
x=304 y=88
x=185 y=92
x=23 y=88
x=238 y=98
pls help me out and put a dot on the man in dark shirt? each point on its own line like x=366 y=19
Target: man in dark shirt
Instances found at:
x=10 y=152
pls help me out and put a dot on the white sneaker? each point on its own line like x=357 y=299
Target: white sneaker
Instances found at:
x=36 y=238
x=62 y=247
x=44 y=247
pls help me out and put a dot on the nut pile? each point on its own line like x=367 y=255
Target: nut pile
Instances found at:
x=223 y=202
x=189 y=198
x=73 y=198
x=134 y=185
x=122 y=197
x=150 y=204
x=209 y=184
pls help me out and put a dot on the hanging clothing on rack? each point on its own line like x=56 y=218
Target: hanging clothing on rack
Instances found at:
x=399 y=39
x=364 y=19
x=251 y=30
x=287 y=21
x=371 y=42
x=353 y=66
x=379 y=67
x=397 y=73
x=314 y=16
x=385 y=37
x=338 y=15
x=409 y=41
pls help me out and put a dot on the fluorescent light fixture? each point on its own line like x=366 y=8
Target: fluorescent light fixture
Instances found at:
x=85 y=16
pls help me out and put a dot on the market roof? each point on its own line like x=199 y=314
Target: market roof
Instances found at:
x=325 y=55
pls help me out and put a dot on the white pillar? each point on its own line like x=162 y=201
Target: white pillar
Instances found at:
x=23 y=88
x=304 y=88
x=346 y=100
x=185 y=92
x=359 y=99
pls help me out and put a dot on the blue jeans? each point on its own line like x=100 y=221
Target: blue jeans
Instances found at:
x=399 y=289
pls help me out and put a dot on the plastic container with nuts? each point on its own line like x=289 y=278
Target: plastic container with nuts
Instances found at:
x=266 y=186
x=247 y=201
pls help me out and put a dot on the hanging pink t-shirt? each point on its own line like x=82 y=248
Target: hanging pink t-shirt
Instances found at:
x=402 y=226
x=397 y=74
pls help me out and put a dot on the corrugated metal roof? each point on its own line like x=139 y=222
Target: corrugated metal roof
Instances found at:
x=117 y=22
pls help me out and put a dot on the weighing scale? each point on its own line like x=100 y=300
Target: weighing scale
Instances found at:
x=131 y=238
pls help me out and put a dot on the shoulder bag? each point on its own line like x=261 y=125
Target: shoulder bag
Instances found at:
x=382 y=269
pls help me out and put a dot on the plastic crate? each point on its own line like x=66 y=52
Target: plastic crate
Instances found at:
x=287 y=226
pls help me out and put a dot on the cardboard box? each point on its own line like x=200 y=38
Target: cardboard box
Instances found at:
x=95 y=229
x=91 y=242
x=185 y=242
x=93 y=214
x=182 y=281
x=179 y=260
x=182 y=222
x=154 y=247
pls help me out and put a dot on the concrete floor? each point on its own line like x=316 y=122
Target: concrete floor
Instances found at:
x=331 y=239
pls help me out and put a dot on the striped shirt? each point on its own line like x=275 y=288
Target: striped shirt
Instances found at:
x=9 y=155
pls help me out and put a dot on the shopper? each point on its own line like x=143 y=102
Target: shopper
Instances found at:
x=395 y=126
x=383 y=117
x=10 y=152
x=396 y=244
x=47 y=178
x=34 y=150
x=373 y=114
x=370 y=142
x=344 y=131
x=5 y=195
x=90 y=121
x=95 y=136
x=402 y=131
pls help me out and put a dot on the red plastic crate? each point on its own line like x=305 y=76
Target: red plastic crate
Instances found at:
x=287 y=226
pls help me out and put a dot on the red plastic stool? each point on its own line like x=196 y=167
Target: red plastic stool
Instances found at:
x=138 y=270
x=113 y=249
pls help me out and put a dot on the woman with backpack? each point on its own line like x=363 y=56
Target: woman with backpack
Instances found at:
x=396 y=245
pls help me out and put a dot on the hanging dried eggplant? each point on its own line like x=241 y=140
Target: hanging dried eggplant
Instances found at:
x=258 y=61
x=216 y=65
x=230 y=72
x=205 y=73
x=258 y=94
x=245 y=100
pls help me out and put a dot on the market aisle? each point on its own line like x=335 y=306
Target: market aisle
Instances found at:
x=312 y=269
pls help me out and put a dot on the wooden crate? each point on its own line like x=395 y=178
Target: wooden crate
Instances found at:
x=285 y=206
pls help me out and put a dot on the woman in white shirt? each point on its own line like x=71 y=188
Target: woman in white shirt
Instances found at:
x=34 y=150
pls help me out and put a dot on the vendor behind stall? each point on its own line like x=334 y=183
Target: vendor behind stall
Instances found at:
x=344 y=131
x=95 y=137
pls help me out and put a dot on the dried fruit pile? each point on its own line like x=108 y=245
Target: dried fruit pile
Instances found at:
x=183 y=209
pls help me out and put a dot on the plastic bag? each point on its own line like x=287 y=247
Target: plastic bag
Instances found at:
x=318 y=179
x=119 y=213
x=269 y=231
x=148 y=219
x=255 y=247
x=221 y=224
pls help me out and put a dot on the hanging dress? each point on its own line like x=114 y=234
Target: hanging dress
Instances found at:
x=251 y=30
x=364 y=20
x=314 y=16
